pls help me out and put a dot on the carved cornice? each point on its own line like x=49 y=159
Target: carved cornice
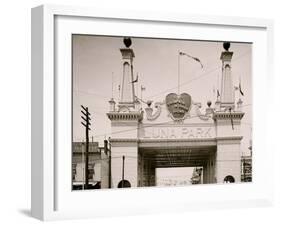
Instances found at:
x=123 y=116
x=120 y=123
x=160 y=143
x=226 y=56
x=228 y=115
x=145 y=140
x=118 y=142
x=127 y=53
x=124 y=142
x=177 y=143
x=230 y=138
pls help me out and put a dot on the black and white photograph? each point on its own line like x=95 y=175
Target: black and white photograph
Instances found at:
x=151 y=112
x=140 y=113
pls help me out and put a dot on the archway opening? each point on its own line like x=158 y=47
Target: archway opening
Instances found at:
x=124 y=184
x=229 y=179
x=178 y=176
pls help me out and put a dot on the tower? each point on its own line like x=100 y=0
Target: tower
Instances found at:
x=124 y=126
x=127 y=87
x=227 y=88
x=228 y=121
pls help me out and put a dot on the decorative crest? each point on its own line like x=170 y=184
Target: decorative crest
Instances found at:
x=178 y=105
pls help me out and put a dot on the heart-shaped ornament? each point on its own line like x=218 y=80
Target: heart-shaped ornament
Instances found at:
x=178 y=105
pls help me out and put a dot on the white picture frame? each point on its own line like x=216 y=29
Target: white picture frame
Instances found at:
x=51 y=195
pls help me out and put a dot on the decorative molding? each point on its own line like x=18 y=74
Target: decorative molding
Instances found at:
x=138 y=116
x=120 y=142
x=119 y=123
x=172 y=124
x=123 y=142
x=149 y=110
x=228 y=115
x=229 y=140
x=148 y=140
x=202 y=116
x=197 y=106
x=161 y=143
x=177 y=143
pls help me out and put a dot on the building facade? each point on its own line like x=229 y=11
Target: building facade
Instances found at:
x=98 y=166
x=246 y=169
x=246 y=166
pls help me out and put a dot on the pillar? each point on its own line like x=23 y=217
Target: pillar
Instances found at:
x=228 y=154
x=124 y=125
x=227 y=88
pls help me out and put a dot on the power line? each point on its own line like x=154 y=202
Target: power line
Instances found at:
x=151 y=125
x=146 y=126
x=180 y=85
x=92 y=94
x=185 y=83
x=197 y=77
x=127 y=130
x=247 y=123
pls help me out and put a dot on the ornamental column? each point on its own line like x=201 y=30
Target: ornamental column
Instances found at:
x=127 y=87
x=125 y=121
x=228 y=122
x=227 y=88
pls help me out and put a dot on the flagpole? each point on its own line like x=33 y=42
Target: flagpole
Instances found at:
x=112 y=85
x=178 y=72
x=239 y=87
x=218 y=86
x=137 y=86
x=141 y=95
x=213 y=91
x=142 y=89
x=189 y=56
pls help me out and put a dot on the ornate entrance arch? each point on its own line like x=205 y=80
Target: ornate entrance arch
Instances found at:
x=175 y=132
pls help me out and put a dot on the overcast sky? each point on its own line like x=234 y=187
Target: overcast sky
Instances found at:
x=97 y=59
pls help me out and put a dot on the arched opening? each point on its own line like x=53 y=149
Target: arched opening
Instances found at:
x=124 y=184
x=229 y=179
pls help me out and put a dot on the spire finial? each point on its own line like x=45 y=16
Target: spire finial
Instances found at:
x=127 y=41
x=226 y=45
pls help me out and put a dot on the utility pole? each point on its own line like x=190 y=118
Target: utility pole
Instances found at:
x=123 y=166
x=107 y=149
x=83 y=169
x=86 y=123
x=109 y=156
x=243 y=169
x=107 y=152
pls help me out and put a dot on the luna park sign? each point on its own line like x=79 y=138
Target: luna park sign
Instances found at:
x=177 y=132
